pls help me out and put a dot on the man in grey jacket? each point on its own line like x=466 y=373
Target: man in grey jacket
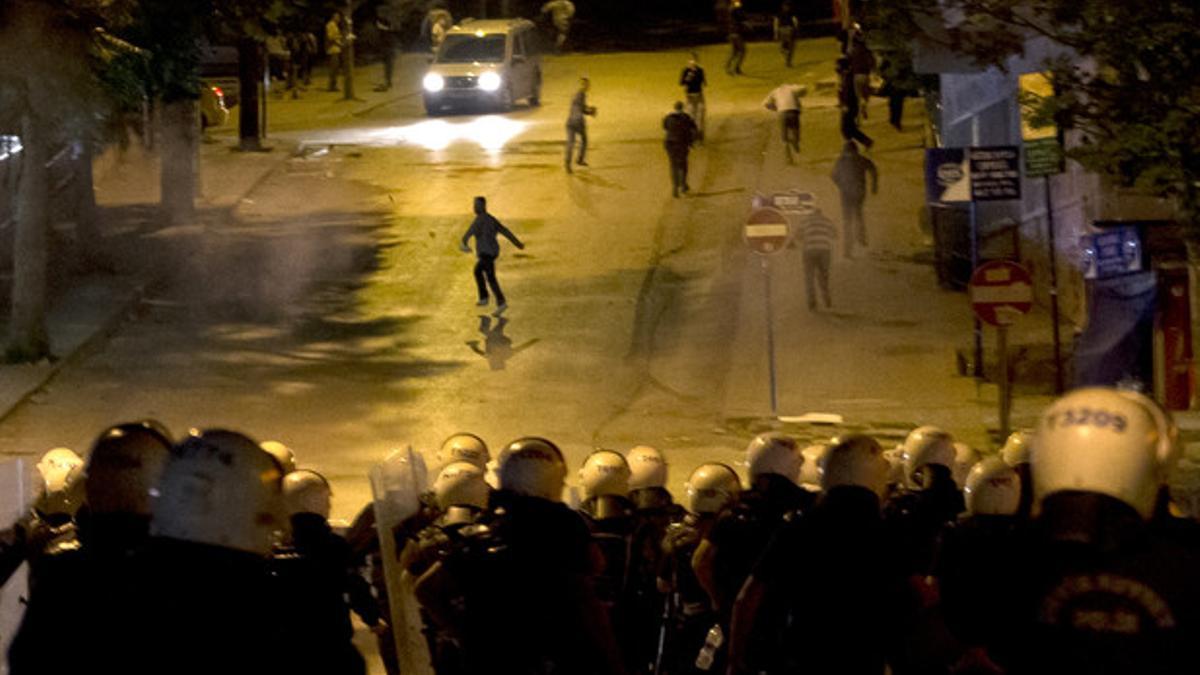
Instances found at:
x=487 y=248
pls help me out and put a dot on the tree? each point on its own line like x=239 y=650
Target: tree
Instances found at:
x=48 y=93
x=1126 y=81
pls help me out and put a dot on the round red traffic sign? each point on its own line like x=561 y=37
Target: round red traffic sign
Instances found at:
x=1000 y=292
x=767 y=230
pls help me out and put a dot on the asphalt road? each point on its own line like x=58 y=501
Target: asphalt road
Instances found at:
x=336 y=314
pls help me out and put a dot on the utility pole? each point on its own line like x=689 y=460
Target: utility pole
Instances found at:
x=348 y=53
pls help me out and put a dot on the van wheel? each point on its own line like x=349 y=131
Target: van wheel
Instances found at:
x=535 y=98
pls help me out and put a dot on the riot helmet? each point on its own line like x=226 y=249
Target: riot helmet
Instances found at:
x=463 y=447
x=712 y=487
x=219 y=488
x=533 y=467
x=282 y=454
x=774 y=453
x=926 y=445
x=124 y=467
x=965 y=457
x=1016 y=448
x=1107 y=441
x=993 y=488
x=814 y=456
x=461 y=484
x=647 y=466
x=605 y=473
x=306 y=491
x=61 y=490
x=856 y=460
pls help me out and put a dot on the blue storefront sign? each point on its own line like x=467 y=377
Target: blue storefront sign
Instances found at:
x=1114 y=252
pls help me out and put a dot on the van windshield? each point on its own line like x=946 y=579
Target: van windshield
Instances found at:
x=473 y=49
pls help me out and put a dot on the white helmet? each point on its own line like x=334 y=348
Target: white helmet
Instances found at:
x=604 y=473
x=219 y=488
x=463 y=447
x=533 y=467
x=814 y=456
x=282 y=454
x=965 y=457
x=61 y=491
x=857 y=460
x=307 y=491
x=124 y=466
x=993 y=489
x=774 y=453
x=1110 y=441
x=461 y=484
x=1016 y=448
x=712 y=487
x=647 y=466
x=927 y=445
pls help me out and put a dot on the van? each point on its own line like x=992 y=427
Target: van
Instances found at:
x=493 y=63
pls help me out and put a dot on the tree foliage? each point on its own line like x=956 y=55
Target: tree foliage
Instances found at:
x=1128 y=80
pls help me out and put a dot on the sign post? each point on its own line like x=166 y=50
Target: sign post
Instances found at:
x=1000 y=292
x=766 y=233
x=1043 y=157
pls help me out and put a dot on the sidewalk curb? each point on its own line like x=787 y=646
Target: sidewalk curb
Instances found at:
x=120 y=314
x=111 y=323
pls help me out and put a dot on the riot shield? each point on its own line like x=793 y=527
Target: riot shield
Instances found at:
x=397 y=484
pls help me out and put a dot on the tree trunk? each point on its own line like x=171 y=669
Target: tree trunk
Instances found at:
x=87 y=233
x=250 y=77
x=179 y=146
x=28 y=339
x=1193 y=263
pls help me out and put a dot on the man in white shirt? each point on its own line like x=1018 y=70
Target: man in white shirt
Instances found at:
x=785 y=99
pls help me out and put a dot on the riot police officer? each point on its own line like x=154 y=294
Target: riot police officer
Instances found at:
x=688 y=613
x=318 y=584
x=1110 y=588
x=931 y=498
x=517 y=592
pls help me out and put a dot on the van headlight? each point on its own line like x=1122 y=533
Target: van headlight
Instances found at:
x=489 y=81
x=434 y=82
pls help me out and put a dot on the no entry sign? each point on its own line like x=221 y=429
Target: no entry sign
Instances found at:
x=1000 y=292
x=767 y=230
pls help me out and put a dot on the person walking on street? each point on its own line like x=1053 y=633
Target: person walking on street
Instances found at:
x=848 y=105
x=487 y=248
x=692 y=80
x=681 y=131
x=438 y=20
x=577 y=126
x=785 y=99
x=850 y=175
x=389 y=41
x=862 y=63
x=737 y=38
x=561 y=12
x=817 y=246
x=786 y=26
x=334 y=41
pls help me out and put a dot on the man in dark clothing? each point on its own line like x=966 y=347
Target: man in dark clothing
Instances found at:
x=692 y=80
x=487 y=248
x=848 y=104
x=681 y=131
x=862 y=62
x=577 y=125
x=786 y=26
x=737 y=38
x=389 y=41
x=850 y=174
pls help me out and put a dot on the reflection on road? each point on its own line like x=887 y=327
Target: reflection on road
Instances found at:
x=491 y=132
x=497 y=347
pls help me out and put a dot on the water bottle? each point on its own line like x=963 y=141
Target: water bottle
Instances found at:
x=712 y=642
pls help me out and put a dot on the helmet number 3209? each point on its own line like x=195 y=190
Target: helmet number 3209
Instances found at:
x=1086 y=416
